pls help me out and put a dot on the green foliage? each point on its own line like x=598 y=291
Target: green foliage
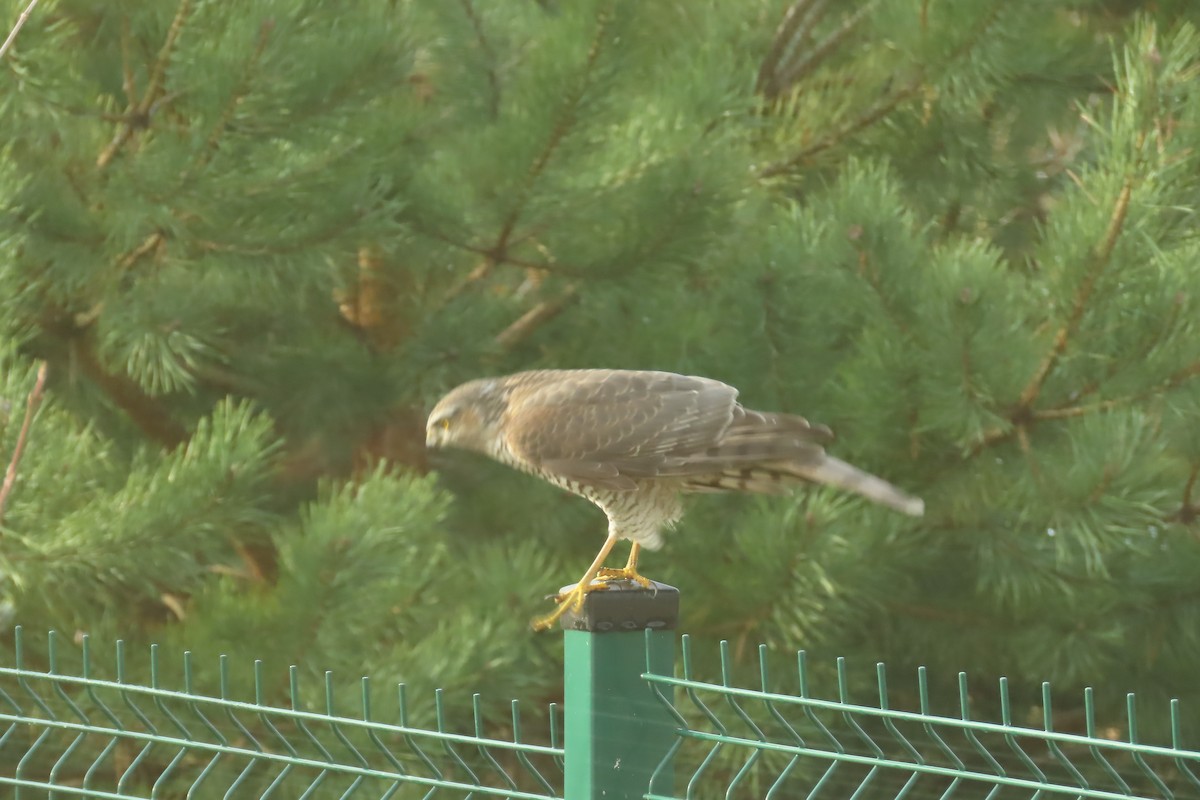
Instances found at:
x=254 y=242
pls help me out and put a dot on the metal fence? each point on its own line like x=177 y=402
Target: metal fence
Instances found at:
x=631 y=726
x=78 y=735
x=779 y=745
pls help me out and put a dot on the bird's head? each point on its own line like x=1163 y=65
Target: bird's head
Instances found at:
x=468 y=417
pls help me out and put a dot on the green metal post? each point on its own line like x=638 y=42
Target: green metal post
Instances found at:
x=616 y=731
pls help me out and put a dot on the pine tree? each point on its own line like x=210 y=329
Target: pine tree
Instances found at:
x=253 y=242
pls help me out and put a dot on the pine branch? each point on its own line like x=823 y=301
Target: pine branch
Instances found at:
x=148 y=246
x=159 y=70
x=873 y=114
x=1100 y=260
x=1136 y=358
x=150 y=417
x=768 y=292
x=238 y=94
x=1179 y=377
x=124 y=263
x=481 y=271
x=1026 y=445
x=12 y=35
x=535 y=318
x=316 y=237
x=489 y=54
x=1069 y=412
x=518 y=261
x=1187 y=511
x=562 y=126
x=128 y=79
x=885 y=105
x=1106 y=479
x=1174 y=381
x=490 y=261
x=137 y=116
x=871 y=277
x=31 y=406
x=795 y=71
x=1023 y=411
x=991 y=437
x=796 y=26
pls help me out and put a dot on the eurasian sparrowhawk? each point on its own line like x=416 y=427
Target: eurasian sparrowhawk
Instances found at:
x=633 y=441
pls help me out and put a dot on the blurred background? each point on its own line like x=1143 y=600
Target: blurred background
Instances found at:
x=251 y=243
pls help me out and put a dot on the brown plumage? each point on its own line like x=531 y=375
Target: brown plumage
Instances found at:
x=632 y=441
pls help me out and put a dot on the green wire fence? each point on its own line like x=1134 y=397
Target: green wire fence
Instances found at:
x=77 y=735
x=778 y=745
x=631 y=726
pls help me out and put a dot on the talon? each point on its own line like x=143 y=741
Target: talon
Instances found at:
x=597 y=578
x=571 y=601
x=625 y=574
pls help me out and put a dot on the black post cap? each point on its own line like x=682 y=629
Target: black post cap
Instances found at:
x=625 y=606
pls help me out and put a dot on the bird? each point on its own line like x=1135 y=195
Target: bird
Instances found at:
x=632 y=442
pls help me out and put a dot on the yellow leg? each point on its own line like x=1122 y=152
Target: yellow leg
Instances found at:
x=628 y=572
x=573 y=600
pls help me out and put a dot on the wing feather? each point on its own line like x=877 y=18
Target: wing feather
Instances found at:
x=611 y=427
x=608 y=427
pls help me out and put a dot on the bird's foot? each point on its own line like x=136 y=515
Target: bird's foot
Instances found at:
x=610 y=574
x=573 y=600
x=570 y=601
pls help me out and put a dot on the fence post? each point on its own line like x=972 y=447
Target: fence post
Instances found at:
x=616 y=731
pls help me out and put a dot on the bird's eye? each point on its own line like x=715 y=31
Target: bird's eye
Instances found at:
x=446 y=424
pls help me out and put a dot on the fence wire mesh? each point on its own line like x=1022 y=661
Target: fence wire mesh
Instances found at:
x=73 y=734
x=77 y=735
x=736 y=741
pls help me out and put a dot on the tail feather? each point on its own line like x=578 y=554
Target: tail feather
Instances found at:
x=781 y=477
x=837 y=473
x=768 y=453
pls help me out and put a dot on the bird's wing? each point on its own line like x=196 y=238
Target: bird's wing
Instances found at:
x=755 y=438
x=608 y=428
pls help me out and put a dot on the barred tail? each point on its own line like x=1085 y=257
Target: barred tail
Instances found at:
x=837 y=473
